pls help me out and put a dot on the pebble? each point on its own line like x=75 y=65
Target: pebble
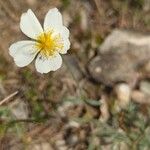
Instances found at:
x=140 y=97
x=19 y=109
x=104 y=110
x=72 y=140
x=145 y=87
x=123 y=93
x=41 y=146
x=73 y=124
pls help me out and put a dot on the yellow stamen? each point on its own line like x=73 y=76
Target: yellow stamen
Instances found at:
x=48 y=43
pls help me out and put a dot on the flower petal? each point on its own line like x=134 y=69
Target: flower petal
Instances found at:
x=66 y=47
x=64 y=32
x=53 y=19
x=23 y=52
x=45 y=65
x=30 y=25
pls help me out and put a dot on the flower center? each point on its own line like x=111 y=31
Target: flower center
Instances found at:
x=48 y=43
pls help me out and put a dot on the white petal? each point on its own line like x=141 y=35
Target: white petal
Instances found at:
x=53 y=20
x=23 y=52
x=30 y=25
x=45 y=65
x=66 y=47
x=64 y=32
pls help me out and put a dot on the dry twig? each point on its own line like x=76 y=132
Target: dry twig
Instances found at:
x=8 y=98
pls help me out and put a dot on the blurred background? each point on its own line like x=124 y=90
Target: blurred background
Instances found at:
x=99 y=98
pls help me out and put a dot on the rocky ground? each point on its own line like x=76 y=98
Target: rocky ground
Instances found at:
x=99 y=99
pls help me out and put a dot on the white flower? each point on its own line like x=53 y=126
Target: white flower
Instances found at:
x=47 y=44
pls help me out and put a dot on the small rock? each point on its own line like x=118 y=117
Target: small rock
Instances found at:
x=140 y=97
x=73 y=124
x=120 y=38
x=41 y=146
x=19 y=109
x=145 y=87
x=121 y=58
x=72 y=140
x=123 y=92
x=60 y=143
x=104 y=110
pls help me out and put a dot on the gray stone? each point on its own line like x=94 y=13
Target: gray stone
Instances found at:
x=121 y=57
